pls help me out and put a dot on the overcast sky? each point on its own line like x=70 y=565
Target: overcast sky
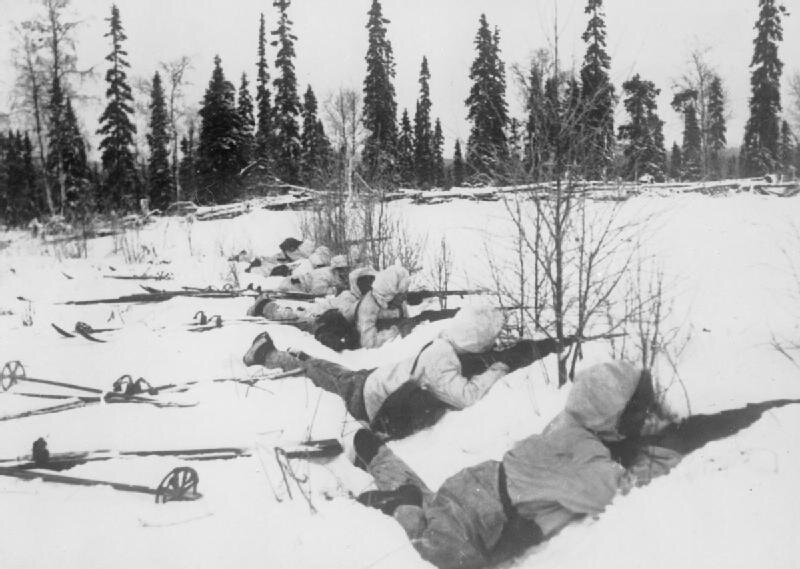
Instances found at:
x=649 y=37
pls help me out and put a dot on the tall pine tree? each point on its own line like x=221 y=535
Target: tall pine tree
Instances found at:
x=405 y=152
x=159 y=172
x=247 y=138
x=220 y=133
x=535 y=151
x=423 y=135
x=264 y=134
x=316 y=147
x=187 y=170
x=116 y=125
x=380 y=106
x=762 y=131
x=786 y=148
x=675 y=163
x=716 y=135
x=57 y=139
x=286 y=150
x=597 y=109
x=458 y=165
x=488 y=111
x=644 y=152
x=437 y=155
x=685 y=102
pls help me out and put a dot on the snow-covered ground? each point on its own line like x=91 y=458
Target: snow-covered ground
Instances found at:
x=734 y=503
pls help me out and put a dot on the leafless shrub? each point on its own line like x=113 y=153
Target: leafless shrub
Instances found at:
x=440 y=272
x=363 y=228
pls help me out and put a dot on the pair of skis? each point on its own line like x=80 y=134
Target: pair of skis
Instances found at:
x=84 y=330
x=179 y=484
x=124 y=390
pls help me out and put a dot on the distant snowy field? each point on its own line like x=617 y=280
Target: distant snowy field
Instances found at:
x=735 y=503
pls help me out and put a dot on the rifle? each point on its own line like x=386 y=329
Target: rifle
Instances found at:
x=415 y=297
x=696 y=431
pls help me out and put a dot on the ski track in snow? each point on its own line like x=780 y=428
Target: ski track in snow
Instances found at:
x=732 y=504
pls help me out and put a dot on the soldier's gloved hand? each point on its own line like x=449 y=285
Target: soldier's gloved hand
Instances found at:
x=414 y=299
x=406 y=326
x=253 y=264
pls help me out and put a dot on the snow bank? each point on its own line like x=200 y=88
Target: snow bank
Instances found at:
x=732 y=504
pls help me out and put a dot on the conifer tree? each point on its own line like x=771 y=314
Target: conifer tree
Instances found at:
x=716 y=136
x=760 y=148
x=74 y=164
x=487 y=106
x=598 y=94
x=264 y=134
x=286 y=150
x=315 y=145
x=116 y=125
x=31 y=178
x=13 y=200
x=423 y=135
x=220 y=133
x=534 y=148
x=675 y=162
x=158 y=168
x=57 y=139
x=458 y=165
x=437 y=155
x=187 y=170
x=380 y=107
x=405 y=152
x=786 y=147
x=691 y=151
x=245 y=108
x=644 y=149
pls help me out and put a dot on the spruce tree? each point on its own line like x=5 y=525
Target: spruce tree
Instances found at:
x=37 y=205
x=13 y=201
x=488 y=110
x=716 y=135
x=264 y=134
x=159 y=173
x=423 y=135
x=187 y=169
x=220 y=133
x=598 y=95
x=116 y=125
x=286 y=150
x=437 y=155
x=760 y=148
x=458 y=165
x=691 y=152
x=786 y=148
x=675 y=162
x=405 y=152
x=324 y=148
x=380 y=106
x=643 y=136
x=247 y=138
x=57 y=140
x=75 y=165
x=315 y=145
x=534 y=152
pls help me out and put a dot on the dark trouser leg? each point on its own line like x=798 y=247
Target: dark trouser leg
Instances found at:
x=347 y=384
x=518 y=533
x=408 y=410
